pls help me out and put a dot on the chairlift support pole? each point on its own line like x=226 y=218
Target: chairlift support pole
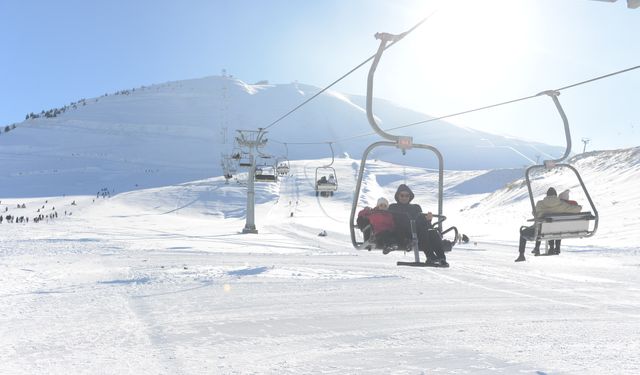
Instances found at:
x=253 y=140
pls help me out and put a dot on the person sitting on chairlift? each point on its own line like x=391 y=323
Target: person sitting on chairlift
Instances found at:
x=554 y=245
x=429 y=239
x=331 y=180
x=382 y=225
x=551 y=204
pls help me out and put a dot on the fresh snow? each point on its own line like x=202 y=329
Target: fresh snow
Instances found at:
x=159 y=281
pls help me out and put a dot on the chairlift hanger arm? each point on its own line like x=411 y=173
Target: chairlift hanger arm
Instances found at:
x=332 y=156
x=553 y=94
x=384 y=39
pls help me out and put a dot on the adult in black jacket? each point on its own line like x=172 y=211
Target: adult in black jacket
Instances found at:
x=429 y=240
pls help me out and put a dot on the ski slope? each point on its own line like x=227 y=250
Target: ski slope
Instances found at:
x=160 y=281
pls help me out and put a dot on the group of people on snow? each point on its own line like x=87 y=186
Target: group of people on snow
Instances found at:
x=43 y=213
x=390 y=225
x=10 y=219
x=103 y=193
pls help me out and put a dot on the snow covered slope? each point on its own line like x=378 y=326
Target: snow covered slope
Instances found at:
x=159 y=281
x=176 y=132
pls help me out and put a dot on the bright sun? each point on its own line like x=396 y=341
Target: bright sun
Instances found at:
x=470 y=45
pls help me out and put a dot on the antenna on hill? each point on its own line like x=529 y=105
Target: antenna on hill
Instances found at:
x=585 y=141
x=224 y=109
x=252 y=140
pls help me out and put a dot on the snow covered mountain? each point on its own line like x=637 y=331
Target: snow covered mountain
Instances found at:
x=165 y=271
x=176 y=132
x=159 y=280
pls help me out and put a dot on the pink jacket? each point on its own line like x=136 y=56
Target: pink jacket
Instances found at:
x=381 y=220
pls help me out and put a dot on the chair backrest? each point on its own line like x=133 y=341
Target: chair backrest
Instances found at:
x=559 y=226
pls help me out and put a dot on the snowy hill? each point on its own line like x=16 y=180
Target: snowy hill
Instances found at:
x=478 y=202
x=137 y=263
x=158 y=280
x=175 y=132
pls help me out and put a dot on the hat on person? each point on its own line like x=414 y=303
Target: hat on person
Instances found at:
x=552 y=192
x=404 y=188
x=382 y=201
x=564 y=195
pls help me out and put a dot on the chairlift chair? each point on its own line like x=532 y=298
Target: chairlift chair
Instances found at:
x=282 y=164
x=561 y=226
x=265 y=172
x=323 y=186
x=282 y=167
x=245 y=160
x=404 y=144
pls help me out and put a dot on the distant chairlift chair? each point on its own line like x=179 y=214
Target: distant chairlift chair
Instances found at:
x=326 y=182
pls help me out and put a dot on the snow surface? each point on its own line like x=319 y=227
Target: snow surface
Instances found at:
x=159 y=280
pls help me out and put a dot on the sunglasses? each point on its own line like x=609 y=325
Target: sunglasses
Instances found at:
x=404 y=195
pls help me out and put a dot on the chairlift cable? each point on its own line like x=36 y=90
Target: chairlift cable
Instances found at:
x=302 y=143
x=400 y=37
x=457 y=113
x=493 y=105
x=598 y=78
x=516 y=100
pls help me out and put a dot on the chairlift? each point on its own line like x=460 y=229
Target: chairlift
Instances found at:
x=404 y=144
x=228 y=163
x=282 y=167
x=244 y=159
x=326 y=182
x=561 y=226
x=282 y=163
x=265 y=172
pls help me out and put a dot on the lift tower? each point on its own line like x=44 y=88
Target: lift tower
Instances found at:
x=252 y=140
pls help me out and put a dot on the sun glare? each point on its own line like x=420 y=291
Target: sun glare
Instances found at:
x=490 y=35
x=469 y=46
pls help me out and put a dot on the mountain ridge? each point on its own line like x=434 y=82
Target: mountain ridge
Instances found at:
x=182 y=128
